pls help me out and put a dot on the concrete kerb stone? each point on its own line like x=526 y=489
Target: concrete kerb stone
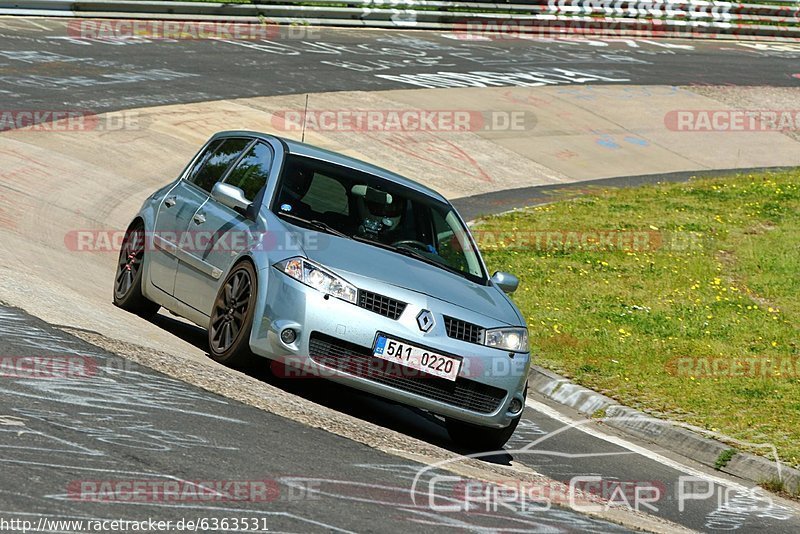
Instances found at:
x=664 y=433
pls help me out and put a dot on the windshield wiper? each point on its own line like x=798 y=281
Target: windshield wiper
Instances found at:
x=411 y=253
x=317 y=225
x=372 y=242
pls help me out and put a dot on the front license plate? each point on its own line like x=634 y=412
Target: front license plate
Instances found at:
x=417 y=358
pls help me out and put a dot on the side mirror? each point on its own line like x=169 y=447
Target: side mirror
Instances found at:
x=505 y=281
x=231 y=196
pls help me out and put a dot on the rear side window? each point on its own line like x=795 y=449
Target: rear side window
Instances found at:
x=252 y=172
x=215 y=161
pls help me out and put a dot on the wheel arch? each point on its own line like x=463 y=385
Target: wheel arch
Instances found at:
x=262 y=276
x=245 y=258
x=146 y=289
x=136 y=220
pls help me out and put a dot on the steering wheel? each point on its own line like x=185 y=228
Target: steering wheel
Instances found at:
x=412 y=243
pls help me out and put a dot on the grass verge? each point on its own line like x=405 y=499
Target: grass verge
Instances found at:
x=682 y=300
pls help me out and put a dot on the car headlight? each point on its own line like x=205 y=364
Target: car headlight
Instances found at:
x=513 y=339
x=316 y=276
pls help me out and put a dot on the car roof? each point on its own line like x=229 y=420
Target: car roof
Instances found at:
x=311 y=151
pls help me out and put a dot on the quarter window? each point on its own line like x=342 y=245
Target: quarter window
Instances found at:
x=213 y=164
x=252 y=172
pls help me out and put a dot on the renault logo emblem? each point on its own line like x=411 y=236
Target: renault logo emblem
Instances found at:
x=425 y=320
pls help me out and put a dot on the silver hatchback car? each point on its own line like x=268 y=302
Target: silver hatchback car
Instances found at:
x=336 y=268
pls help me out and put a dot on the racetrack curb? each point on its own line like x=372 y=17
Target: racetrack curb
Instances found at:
x=687 y=442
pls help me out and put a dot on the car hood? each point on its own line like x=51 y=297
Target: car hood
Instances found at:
x=348 y=256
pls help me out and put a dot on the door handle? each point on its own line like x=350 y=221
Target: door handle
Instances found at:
x=199 y=218
x=170 y=202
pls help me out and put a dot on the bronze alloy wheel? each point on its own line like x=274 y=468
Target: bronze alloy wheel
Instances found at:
x=232 y=316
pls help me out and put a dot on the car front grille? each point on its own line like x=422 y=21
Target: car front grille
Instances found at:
x=374 y=302
x=358 y=361
x=458 y=329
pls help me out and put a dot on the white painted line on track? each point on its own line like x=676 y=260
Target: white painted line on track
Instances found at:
x=37 y=24
x=625 y=444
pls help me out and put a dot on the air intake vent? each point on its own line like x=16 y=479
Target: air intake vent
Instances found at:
x=358 y=361
x=458 y=329
x=388 y=307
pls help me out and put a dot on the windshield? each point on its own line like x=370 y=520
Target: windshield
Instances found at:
x=374 y=210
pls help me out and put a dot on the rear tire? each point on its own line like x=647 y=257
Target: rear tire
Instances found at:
x=128 y=281
x=480 y=438
x=232 y=317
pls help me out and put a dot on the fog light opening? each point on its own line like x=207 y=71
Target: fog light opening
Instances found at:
x=288 y=336
x=515 y=407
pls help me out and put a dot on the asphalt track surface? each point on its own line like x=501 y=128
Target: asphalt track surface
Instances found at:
x=72 y=449
x=73 y=446
x=43 y=67
x=80 y=434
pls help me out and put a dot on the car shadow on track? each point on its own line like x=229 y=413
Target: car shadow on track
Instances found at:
x=406 y=420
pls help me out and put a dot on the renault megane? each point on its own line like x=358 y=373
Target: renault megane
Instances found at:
x=293 y=253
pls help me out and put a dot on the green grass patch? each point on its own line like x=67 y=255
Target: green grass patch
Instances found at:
x=780 y=487
x=723 y=458
x=679 y=299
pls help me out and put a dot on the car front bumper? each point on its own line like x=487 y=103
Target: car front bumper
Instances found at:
x=335 y=340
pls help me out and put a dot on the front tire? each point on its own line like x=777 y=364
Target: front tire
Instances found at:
x=480 y=439
x=128 y=281
x=232 y=317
